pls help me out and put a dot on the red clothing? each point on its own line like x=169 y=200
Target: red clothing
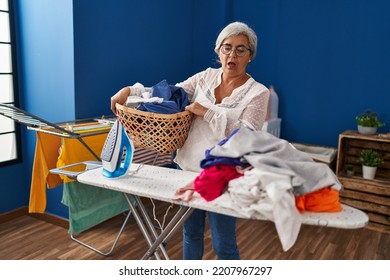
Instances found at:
x=212 y=181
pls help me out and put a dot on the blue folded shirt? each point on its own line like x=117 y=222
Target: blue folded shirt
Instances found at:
x=175 y=99
x=211 y=160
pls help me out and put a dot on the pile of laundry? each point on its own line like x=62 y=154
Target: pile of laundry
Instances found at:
x=259 y=175
x=162 y=99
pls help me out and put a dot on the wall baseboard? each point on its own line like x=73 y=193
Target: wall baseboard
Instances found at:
x=49 y=218
x=13 y=214
x=52 y=219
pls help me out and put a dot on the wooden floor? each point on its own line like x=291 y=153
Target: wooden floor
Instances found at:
x=30 y=238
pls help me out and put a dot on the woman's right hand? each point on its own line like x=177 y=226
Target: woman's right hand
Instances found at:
x=197 y=109
x=120 y=97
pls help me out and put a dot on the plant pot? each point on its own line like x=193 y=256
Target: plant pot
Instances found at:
x=350 y=169
x=367 y=130
x=369 y=172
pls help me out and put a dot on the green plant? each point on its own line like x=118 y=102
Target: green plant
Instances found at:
x=370 y=158
x=350 y=167
x=369 y=118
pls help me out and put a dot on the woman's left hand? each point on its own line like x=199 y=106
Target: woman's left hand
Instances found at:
x=185 y=193
x=197 y=109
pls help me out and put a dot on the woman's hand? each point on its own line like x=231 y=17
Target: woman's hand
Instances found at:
x=185 y=193
x=197 y=109
x=120 y=97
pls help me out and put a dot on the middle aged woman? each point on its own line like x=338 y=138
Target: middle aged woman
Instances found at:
x=222 y=100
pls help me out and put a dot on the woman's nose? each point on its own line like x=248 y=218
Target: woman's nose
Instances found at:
x=233 y=53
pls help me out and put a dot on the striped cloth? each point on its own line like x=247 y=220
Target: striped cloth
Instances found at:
x=151 y=157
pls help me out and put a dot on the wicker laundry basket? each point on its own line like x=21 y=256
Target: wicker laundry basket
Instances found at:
x=163 y=133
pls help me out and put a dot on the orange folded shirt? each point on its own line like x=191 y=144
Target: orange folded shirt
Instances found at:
x=322 y=200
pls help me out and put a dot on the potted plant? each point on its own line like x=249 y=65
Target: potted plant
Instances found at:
x=370 y=160
x=350 y=169
x=368 y=122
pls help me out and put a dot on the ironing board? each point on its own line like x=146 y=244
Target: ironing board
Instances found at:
x=161 y=183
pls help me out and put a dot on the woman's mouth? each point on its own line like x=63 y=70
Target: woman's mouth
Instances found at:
x=231 y=64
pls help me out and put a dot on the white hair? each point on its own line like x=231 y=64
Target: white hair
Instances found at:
x=234 y=29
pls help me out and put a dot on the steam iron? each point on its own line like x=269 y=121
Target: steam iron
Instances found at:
x=117 y=153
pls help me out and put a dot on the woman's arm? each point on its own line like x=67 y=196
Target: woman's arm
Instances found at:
x=122 y=95
x=253 y=116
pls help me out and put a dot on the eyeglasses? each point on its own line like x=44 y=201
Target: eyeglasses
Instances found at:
x=240 y=50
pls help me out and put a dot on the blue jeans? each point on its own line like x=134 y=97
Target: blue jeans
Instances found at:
x=223 y=233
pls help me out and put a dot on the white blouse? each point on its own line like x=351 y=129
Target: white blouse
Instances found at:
x=246 y=106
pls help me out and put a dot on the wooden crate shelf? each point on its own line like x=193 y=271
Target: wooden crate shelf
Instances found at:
x=371 y=196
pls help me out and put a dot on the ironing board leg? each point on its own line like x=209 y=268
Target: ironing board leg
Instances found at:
x=113 y=245
x=150 y=224
x=142 y=226
x=180 y=217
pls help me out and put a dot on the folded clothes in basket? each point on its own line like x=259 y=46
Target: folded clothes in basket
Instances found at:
x=175 y=99
x=134 y=101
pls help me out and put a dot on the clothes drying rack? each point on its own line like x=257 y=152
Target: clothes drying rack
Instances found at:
x=62 y=129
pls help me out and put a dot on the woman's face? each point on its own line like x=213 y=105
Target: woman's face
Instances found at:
x=233 y=63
